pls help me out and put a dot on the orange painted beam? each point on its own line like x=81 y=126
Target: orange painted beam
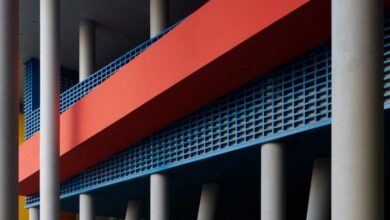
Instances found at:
x=223 y=45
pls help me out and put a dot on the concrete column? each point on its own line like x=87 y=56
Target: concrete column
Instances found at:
x=159 y=197
x=159 y=16
x=319 y=197
x=102 y=218
x=133 y=210
x=273 y=192
x=33 y=213
x=357 y=110
x=49 y=97
x=87 y=207
x=9 y=103
x=86 y=48
x=208 y=202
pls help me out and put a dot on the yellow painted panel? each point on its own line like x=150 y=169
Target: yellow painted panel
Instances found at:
x=21 y=128
x=23 y=213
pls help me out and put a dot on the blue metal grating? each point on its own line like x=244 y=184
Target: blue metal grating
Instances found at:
x=29 y=69
x=387 y=62
x=31 y=92
x=76 y=92
x=291 y=99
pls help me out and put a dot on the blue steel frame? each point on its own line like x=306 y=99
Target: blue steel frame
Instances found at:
x=292 y=99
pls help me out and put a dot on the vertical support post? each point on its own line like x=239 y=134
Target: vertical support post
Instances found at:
x=208 y=202
x=133 y=210
x=319 y=197
x=9 y=106
x=49 y=98
x=273 y=190
x=357 y=110
x=33 y=213
x=159 y=16
x=159 y=197
x=87 y=207
x=86 y=48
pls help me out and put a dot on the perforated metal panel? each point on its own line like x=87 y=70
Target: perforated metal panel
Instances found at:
x=387 y=62
x=30 y=68
x=75 y=92
x=31 y=93
x=291 y=99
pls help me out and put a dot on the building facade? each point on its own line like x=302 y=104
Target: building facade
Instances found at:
x=219 y=109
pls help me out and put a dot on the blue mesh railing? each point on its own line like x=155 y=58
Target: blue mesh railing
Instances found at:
x=289 y=100
x=78 y=91
x=293 y=98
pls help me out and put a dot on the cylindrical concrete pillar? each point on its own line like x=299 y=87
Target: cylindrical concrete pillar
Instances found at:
x=33 y=213
x=49 y=97
x=357 y=110
x=87 y=207
x=133 y=210
x=86 y=48
x=9 y=108
x=273 y=192
x=319 y=197
x=159 y=16
x=159 y=197
x=208 y=202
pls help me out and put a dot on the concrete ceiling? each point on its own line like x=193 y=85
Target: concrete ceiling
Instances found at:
x=121 y=25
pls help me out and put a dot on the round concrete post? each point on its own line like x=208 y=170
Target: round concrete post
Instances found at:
x=273 y=192
x=208 y=202
x=87 y=207
x=9 y=108
x=357 y=110
x=49 y=97
x=159 y=16
x=86 y=48
x=133 y=210
x=159 y=197
x=33 y=213
x=319 y=197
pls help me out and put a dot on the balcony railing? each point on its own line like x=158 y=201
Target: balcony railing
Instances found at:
x=78 y=91
x=293 y=98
